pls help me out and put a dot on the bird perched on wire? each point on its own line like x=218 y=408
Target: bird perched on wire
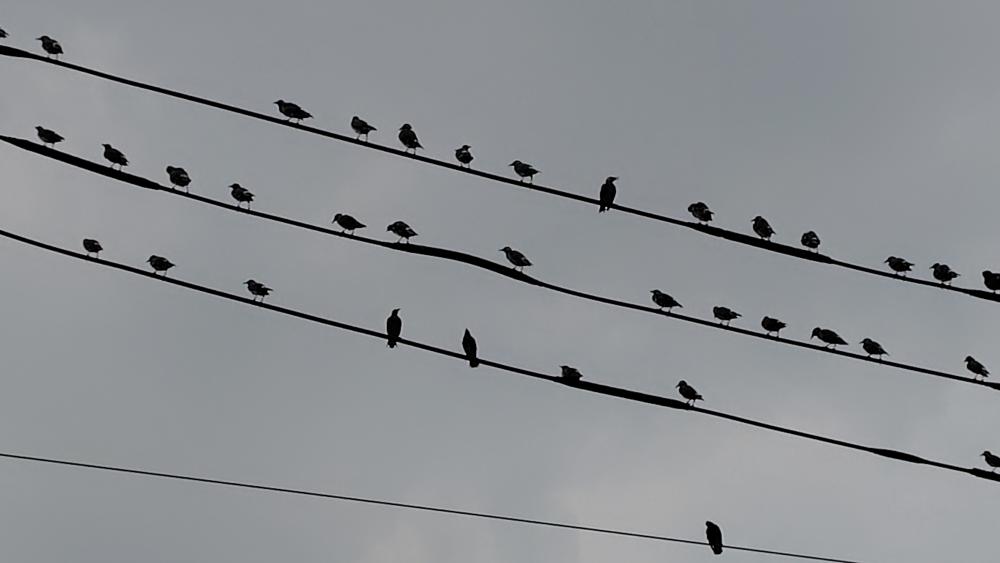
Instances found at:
x=516 y=258
x=3 y=34
x=463 y=156
x=943 y=273
x=762 y=228
x=771 y=324
x=179 y=177
x=241 y=195
x=608 y=192
x=524 y=170
x=50 y=46
x=293 y=112
x=361 y=127
x=92 y=247
x=701 y=212
x=873 y=348
x=160 y=264
x=975 y=367
x=810 y=240
x=725 y=314
x=48 y=136
x=688 y=392
x=991 y=280
x=402 y=230
x=257 y=289
x=571 y=373
x=347 y=223
x=898 y=265
x=393 y=326
x=663 y=300
x=408 y=137
x=991 y=460
x=714 y=535
x=828 y=337
x=114 y=156
x=470 y=348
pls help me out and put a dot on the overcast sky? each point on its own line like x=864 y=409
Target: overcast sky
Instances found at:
x=875 y=124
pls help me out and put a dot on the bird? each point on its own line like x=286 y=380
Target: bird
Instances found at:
x=827 y=336
x=762 y=228
x=608 y=191
x=898 y=265
x=160 y=264
x=975 y=367
x=402 y=230
x=469 y=345
x=48 y=136
x=991 y=460
x=292 y=111
x=115 y=156
x=571 y=373
x=463 y=156
x=701 y=212
x=179 y=177
x=714 y=535
x=257 y=289
x=810 y=240
x=771 y=324
x=92 y=247
x=943 y=273
x=3 y=34
x=516 y=258
x=663 y=300
x=408 y=137
x=361 y=127
x=991 y=280
x=241 y=194
x=393 y=326
x=725 y=314
x=873 y=348
x=50 y=46
x=524 y=170
x=348 y=223
x=688 y=392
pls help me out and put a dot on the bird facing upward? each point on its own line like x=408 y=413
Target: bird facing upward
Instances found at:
x=393 y=326
x=470 y=348
x=714 y=535
x=608 y=192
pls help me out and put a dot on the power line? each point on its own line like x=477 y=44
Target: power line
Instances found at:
x=584 y=385
x=704 y=229
x=422 y=507
x=475 y=261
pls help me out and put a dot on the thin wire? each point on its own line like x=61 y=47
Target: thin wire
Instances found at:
x=592 y=387
x=394 y=504
x=471 y=260
x=705 y=229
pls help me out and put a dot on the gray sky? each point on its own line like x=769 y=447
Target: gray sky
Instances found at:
x=873 y=123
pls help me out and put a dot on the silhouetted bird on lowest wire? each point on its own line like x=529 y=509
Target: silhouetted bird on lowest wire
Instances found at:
x=470 y=348
x=701 y=212
x=463 y=156
x=762 y=228
x=571 y=373
x=361 y=127
x=943 y=273
x=663 y=300
x=393 y=326
x=241 y=195
x=50 y=46
x=898 y=265
x=516 y=258
x=48 y=136
x=608 y=192
x=975 y=367
x=293 y=112
x=810 y=240
x=92 y=247
x=408 y=137
x=115 y=156
x=771 y=324
x=402 y=230
x=828 y=337
x=179 y=177
x=725 y=314
x=688 y=392
x=873 y=348
x=991 y=280
x=347 y=223
x=524 y=170
x=257 y=289
x=160 y=264
x=714 y=535
x=991 y=460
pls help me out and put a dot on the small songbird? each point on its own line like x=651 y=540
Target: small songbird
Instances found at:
x=257 y=289
x=873 y=348
x=48 y=136
x=810 y=240
x=402 y=230
x=92 y=247
x=471 y=349
x=714 y=535
x=898 y=265
x=991 y=460
x=762 y=228
x=608 y=192
x=160 y=264
x=663 y=300
x=50 y=46
x=725 y=314
x=991 y=280
x=179 y=177
x=943 y=273
x=688 y=392
x=828 y=337
x=361 y=127
x=241 y=195
x=347 y=223
x=115 y=156
x=571 y=373
x=524 y=170
x=293 y=112
x=516 y=258
x=393 y=326
x=3 y=34
x=463 y=156
x=701 y=212
x=772 y=325
x=408 y=137
x=975 y=367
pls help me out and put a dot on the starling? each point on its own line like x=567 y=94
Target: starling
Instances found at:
x=393 y=326
x=810 y=240
x=48 y=136
x=524 y=170
x=292 y=111
x=701 y=212
x=241 y=194
x=943 y=273
x=725 y=314
x=115 y=156
x=663 y=300
x=991 y=280
x=828 y=337
x=689 y=393
x=571 y=373
x=92 y=247
x=361 y=127
x=160 y=264
x=402 y=230
x=608 y=192
x=463 y=156
x=469 y=345
x=975 y=367
x=762 y=228
x=772 y=325
x=408 y=137
x=714 y=535
x=179 y=177
x=991 y=460
x=50 y=46
x=3 y=34
x=873 y=348
x=348 y=223
x=898 y=265
x=516 y=258
x=257 y=289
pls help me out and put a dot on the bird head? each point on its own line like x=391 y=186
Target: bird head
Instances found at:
x=611 y=178
x=236 y=186
x=988 y=274
x=654 y=291
x=506 y=249
x=151 y=258
x=866 y=341
x=249 y=282
x=43 y=38
x=355 y=118
x=935 y=266
x=815 y=333
x=466 y=147
x=969 y=359
x=515 y=163
x=985 y=453
x=279 y=102
x=395 y=311
x=406 y=127
x=38 y=128
x=105 y=145
x=889 y=259
x=757 y=218
x=681 y=383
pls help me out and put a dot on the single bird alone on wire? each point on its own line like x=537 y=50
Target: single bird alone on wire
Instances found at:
x=688 y=392
x=608 y=192
x=241 y=195
x=701 y=212
x=570 y=373
x=810 y=240
x=943 y=273
x=725 y=314
x=179 y=177
x=114 y=156
x=347 y=223
x=160 y=264
x=828 y=337
x=463 y=156
x=516 y=258
x=470 y=348
x=714 y=535
x=664 y=301
x=991 y=280
x=50 y=46
x=524 y=170
x=408 y=137
x=393 y=326
x=92 y=247
x=975 y=367
x=402 y=230
x=771 y=324
x=48 y=136
x=361 y=127
x=873 y=348
x=293 y=112
x=257 y=289
x=898 y=265
x=762 y=228
x=991 y=460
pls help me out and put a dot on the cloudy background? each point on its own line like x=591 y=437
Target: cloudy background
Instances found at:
x=876 y=124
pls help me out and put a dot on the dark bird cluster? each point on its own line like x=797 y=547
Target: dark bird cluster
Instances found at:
x=50 y=46
x=701 y=212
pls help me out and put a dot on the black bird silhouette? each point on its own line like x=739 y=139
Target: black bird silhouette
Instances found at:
x=873 y=348
x=160 y=264
x=571 y=373
x=991 y=460
x=771 y=324
x=898 y=265
x=810 y=240
x=292 y=111
x=688 y=392
x=463 y=156
x=663 y=300
x=975 y=367
x=114 y=156
x=762 y=228
x=725 y=314
x=471 y=350
x=714 y=535
x=3 y=34
x=991 y=280
x=347 y=223
x=608 y=192
x=92 y=247
x=361 y=127
x=50 y=46
x=408 y=137
x=179 y=177
x=516 y=258
x=393 y=326
x=524 y=170
x=257 y=289
x=828 y=337
x=48 y=136
x=943 y=273
x=701 y=212
x=402 y=230
x=241 y=195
